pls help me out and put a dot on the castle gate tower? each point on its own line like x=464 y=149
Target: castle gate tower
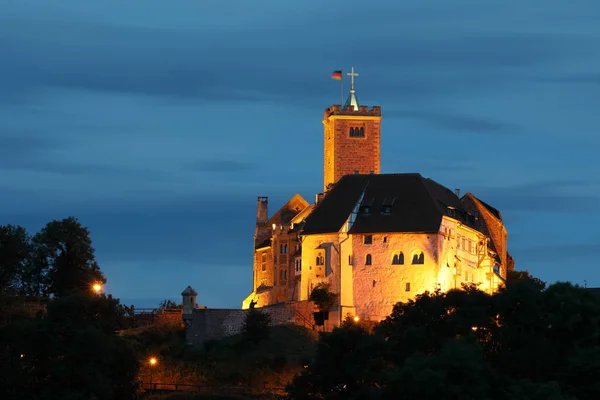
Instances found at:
x=352 y=139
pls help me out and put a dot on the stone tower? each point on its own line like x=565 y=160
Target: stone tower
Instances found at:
x=352 y=139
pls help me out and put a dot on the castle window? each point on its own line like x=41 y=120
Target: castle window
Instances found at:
x=385 y=239
x=407 y=287
x=368 y=260
x=283 y=275
x=398 y=259
x=350 y=259
x=320 y=260
x=418 y=258
x=368 y=239
x=298 y=265
x=263 y=261
x=283 y=248
x=357 y=132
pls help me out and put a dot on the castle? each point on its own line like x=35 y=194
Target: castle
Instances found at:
x=377 y=239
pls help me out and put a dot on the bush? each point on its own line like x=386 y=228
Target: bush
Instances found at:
x=257 y=326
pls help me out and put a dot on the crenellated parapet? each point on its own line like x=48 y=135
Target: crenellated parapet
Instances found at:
x=375 y=111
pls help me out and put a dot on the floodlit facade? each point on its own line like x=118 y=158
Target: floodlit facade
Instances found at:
x=376 y=238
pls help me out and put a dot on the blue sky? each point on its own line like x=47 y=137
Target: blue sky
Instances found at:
x=158 y=123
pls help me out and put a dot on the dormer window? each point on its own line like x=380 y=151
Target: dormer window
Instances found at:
x=365 y=210
x=386 y=205
x=451 y=212
x=357 y=132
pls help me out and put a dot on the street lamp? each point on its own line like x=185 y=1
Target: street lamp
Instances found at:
x=152 y=361
x=356 y=318
x=97 y=288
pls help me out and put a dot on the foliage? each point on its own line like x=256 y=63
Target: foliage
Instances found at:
x=257 y=326
x=65 y=248
x=524 y=342
x=323 y=297
x=59 y=260
x=15 y=254
x=515 y=277
x=169 y=304
x=70 y=353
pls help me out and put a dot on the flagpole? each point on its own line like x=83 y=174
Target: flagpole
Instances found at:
x=342 y=91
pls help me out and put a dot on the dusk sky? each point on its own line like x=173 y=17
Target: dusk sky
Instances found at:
x=158 y=123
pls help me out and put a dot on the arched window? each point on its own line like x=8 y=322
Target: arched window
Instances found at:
x=418 y=258
x=398 y=258
x=357 y=132
x=368 y=260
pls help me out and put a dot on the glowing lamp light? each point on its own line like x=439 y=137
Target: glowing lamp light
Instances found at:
x=356 y=318
x=153 y=361
x=96 y=287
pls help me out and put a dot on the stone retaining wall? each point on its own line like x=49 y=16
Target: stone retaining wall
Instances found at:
x=213 y=323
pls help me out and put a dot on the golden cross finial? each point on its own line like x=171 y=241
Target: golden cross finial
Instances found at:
x=352 y=74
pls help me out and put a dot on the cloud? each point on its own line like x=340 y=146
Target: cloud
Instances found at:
x=560 y=253
x=558 y=196
x=252 y=63
x=216 y=165
x=580 y=78
x=456 y=123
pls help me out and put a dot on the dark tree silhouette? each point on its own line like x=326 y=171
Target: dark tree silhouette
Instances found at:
x=65 y=249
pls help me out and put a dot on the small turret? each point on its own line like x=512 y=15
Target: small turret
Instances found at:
x=189 y=302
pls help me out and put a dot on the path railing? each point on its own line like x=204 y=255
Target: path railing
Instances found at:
x=187 y=387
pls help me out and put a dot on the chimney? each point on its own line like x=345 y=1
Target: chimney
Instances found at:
x=318 y=198
x=262 y=210
x=457 y=192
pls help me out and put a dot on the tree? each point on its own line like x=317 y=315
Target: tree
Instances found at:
x=15 y=254
x=65 y=249
x=166 y=304
x=257 y=326
x=524 y=342
x=515 y=277
x=349 y=364
x=72 y=353
x=323 y=297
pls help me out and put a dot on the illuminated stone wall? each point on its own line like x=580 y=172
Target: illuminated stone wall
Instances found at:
x=377 y=287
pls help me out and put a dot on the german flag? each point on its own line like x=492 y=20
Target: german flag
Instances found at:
x=337 y=75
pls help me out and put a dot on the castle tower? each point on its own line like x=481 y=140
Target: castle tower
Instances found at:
x=352 y=139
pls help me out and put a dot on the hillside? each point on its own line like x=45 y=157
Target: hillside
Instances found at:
x=230 y=361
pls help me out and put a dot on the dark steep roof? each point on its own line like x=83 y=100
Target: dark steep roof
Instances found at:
x=417 y=205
